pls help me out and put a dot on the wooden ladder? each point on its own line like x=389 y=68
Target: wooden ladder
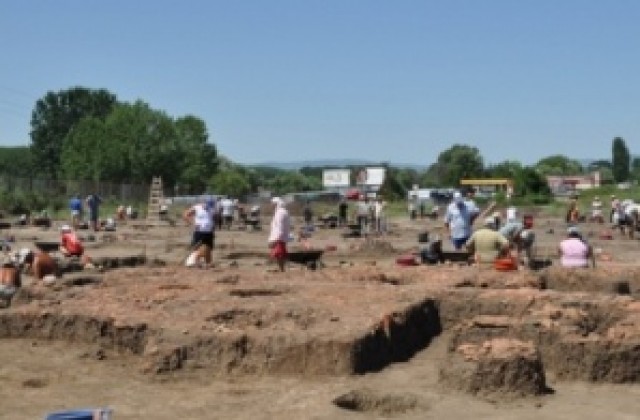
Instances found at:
x=156 y=199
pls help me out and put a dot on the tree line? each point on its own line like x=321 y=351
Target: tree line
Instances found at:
x=88 y=134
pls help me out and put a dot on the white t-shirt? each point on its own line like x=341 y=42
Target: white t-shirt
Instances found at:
x=472 y=207
x=227 y=207
x=203 y=218
x=630 y=208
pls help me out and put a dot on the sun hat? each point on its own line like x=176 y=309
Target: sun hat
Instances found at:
x=573 y=230
x=490 y=221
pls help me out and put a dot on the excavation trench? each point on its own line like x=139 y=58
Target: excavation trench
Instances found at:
x=396 y=338
x=267 y=327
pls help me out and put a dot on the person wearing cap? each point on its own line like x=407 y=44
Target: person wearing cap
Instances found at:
x=486 y=244
x=201 y=216
x=520 y=237
x=280 y=231
x=70 y=244
x=457 y=221
x=596 y=210
x=228 y=208
x=574 y=251
x=614 y=208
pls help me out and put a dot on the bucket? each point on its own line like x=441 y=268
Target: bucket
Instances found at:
x=505 y=264
x=83 y=414
x=406 y=261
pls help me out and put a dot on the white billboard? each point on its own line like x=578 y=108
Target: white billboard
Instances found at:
x=333 y=178
x=375 y=177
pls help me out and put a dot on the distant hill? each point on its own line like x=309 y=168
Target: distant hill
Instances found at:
x=337 y=163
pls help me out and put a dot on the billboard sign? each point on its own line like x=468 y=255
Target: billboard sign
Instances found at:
x=374 y=177
x=336 y=178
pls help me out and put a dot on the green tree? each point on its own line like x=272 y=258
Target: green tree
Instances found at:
x=458 y=162
x=16 y=161
x=85 y=152
x=398 y=181
x=507 y=169
x=434 y=175
x=133 y=144
x=232 y=182
x=558 y=165
x=621 y=160
x=55 y=115
x=314 y=171
x=529 y=181
x=293 y=181
x=199 y=158
x=635 y=168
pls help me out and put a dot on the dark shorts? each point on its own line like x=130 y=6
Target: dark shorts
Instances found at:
x=458 y=243
x=206 y=238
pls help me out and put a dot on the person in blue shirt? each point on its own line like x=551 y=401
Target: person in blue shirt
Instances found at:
x=75 y=206
x=93 y=203
x=458 y=220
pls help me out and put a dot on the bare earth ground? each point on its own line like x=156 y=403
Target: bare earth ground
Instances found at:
x=238 y=341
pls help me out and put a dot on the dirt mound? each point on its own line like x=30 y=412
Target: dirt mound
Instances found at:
x=373 y=247
x=610 y=280
x=504 y=366
x=365 y=400
x=488 y=278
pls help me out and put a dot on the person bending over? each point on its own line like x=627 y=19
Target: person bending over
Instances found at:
x=70 y=244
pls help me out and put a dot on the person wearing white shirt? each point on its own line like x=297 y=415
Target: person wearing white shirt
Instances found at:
x=200 y=216
x=280 y=232
x=227 y=207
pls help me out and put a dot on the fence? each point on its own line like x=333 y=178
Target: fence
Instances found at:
x=65 y=189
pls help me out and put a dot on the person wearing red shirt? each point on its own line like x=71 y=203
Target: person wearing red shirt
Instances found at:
x=70 y=244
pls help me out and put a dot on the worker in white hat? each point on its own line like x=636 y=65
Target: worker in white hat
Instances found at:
x=280 y=232
x=457 y=221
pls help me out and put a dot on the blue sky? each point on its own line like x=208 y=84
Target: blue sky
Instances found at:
x=396 y=81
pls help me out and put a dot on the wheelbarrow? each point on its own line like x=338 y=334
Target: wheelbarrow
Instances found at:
x=47 y=246
x=308 y=258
